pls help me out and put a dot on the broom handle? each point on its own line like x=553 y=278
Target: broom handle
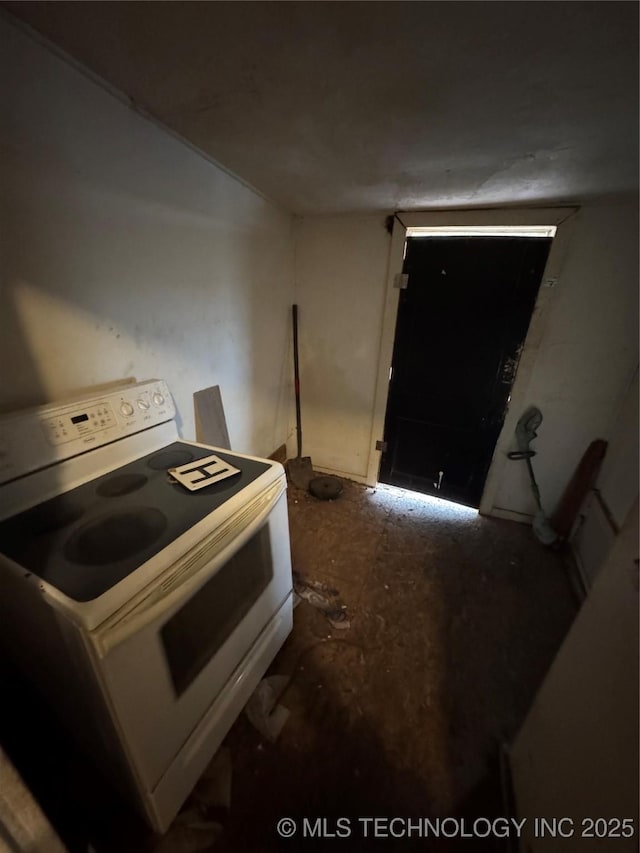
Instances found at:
x=296 y=374
x=528 y=455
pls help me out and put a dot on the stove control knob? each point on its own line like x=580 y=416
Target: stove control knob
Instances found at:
x=158 y=399
x=143 y=404
x=126 y=409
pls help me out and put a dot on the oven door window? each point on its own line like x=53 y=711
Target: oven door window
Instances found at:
x=194 y=634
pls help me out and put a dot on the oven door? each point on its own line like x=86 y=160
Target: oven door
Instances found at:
x=165 y=663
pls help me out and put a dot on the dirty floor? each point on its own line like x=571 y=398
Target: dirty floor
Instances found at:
x=454 y=620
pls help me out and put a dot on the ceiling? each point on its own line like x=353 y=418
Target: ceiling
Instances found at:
x=357 y=106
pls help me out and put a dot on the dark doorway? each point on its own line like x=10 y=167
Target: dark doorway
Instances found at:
x=462 y=321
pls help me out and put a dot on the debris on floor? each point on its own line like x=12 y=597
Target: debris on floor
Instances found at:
x=213 y=791
x=203 y=818
x=324 y=598
x=263 y=710
x=190 y=833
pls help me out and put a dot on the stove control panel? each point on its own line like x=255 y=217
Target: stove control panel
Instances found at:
x=67 y=426
x=36 y=438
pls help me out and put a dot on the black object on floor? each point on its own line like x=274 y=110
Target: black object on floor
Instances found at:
x=325 y=488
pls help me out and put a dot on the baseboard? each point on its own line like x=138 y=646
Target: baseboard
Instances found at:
x=510 y=515
x=576 y=574
x=355 y=478
x=507 y=793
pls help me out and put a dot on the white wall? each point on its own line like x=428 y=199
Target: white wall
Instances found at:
x=126 y=253
x=618 y=480
x=576 y=755
x=587 y=355
x=341 y=267
x=616 y=488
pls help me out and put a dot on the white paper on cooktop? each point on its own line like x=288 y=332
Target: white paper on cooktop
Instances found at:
x=203 y=472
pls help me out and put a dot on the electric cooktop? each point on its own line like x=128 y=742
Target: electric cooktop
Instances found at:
x=88 y=539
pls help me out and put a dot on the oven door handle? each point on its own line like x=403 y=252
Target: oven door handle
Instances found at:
x=189 y=575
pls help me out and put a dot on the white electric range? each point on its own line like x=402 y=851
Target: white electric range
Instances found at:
x=146 y=612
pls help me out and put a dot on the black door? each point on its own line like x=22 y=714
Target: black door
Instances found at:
x=461 y=324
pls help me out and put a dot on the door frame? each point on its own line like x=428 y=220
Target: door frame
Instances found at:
x=562 y=218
